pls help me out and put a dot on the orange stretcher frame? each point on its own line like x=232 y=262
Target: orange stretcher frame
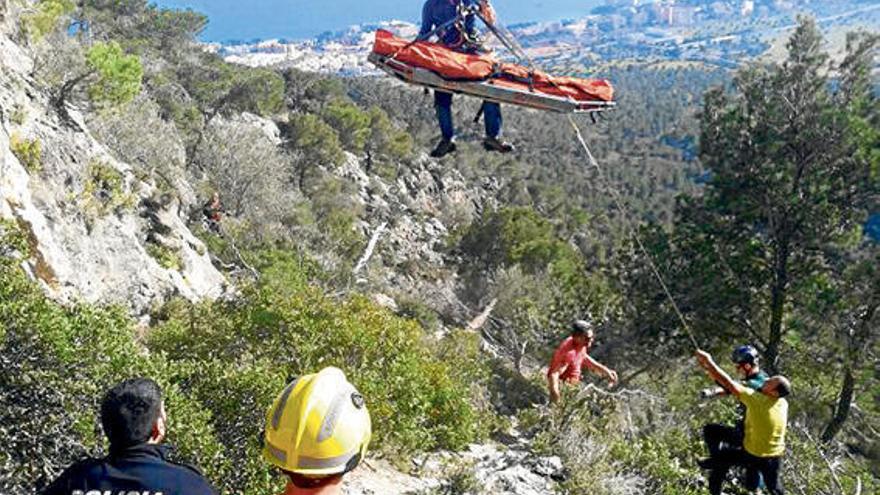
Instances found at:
x=435 y=66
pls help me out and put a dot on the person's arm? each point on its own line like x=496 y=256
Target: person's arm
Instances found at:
x=708 y=393
x=601 y=370
x=717 y=374
x=427 y=20
x=488 y=12
x=553 y=378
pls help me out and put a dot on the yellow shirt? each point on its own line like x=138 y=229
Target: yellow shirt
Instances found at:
x=766 y=420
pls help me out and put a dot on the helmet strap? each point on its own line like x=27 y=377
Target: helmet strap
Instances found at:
x=352 y=463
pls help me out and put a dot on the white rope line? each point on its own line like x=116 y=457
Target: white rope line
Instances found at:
x=496 y=28
x=631 y=230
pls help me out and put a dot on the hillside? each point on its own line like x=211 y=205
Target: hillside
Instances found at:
x=731 y=208
x=87 y=216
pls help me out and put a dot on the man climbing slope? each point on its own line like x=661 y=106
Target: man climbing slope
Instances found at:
x=460 y=36
x=718 y=436
x=765 y=425
x=573 y=354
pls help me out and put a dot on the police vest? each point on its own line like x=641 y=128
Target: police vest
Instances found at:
x=140 y=470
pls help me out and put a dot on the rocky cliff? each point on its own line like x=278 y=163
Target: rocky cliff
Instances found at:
x=98 y=232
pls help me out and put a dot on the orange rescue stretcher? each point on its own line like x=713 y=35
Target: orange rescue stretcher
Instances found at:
x=434 y=66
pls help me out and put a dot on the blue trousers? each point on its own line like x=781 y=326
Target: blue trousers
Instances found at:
x=443 y=104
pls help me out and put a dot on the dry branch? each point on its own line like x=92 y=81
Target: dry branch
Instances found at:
x=368 y=253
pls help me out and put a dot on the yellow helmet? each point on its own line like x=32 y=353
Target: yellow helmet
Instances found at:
x=318 y=426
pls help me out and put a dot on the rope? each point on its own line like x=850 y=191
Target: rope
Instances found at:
x=425 y=36
x=518 y=52
x=508 y=41
x=632 y=232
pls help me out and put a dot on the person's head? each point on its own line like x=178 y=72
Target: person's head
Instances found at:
x=745 y=358
x=582 y=332
x=776 y=386
x=317 y=430
x=132 y=414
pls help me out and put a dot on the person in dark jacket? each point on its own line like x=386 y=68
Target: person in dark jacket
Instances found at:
x=134 y=419
x=459 y=36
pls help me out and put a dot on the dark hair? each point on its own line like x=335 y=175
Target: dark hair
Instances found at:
x=129 y=410
x=580 y=327
x=783 y=386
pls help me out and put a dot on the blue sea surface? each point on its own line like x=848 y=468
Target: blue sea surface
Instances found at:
x=298 y=19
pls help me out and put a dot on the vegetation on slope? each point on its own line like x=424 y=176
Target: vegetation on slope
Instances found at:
x=751 y=212
x=221 y=364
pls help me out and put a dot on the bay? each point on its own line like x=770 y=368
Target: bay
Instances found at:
x=236 y=20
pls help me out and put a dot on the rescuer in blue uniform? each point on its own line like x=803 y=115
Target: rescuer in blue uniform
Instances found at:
x=460 y=36
x=133 y=417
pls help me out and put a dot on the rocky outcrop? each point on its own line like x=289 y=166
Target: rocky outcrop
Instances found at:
x=481 y=469
x=95 y=234
x=420 y=209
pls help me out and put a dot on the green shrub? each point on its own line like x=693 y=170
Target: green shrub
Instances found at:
x=19 y=114
x=420 y=400
x=12 y=240
x=350 y=122
x=460 y=478
x=316 y=139
x=104 y=190
x=119 y=76
x=227 y=89
x=385 y=139
x=260 y=91
x=337 y=214
x=28 y=152
x=412 y=308
x=658 y=459
x=517 y=236
x=46 y=18
x=165 y=256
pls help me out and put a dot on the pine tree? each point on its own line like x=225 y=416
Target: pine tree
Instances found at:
x=787 y=181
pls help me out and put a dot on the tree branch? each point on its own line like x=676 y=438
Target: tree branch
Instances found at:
x=371 y=246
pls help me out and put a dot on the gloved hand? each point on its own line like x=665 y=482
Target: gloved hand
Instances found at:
x=707 y=393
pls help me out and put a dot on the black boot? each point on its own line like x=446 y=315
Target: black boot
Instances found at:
x=495 y=144
x=444 y=147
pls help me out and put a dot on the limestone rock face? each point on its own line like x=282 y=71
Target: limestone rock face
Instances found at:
x=420 y=208
x=491 y=468
x=266 y=126
x=95 y=234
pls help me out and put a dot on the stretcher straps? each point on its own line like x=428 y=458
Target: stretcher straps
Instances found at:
x=424 y=37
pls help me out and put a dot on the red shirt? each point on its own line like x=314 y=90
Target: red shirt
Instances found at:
x=572 y=355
